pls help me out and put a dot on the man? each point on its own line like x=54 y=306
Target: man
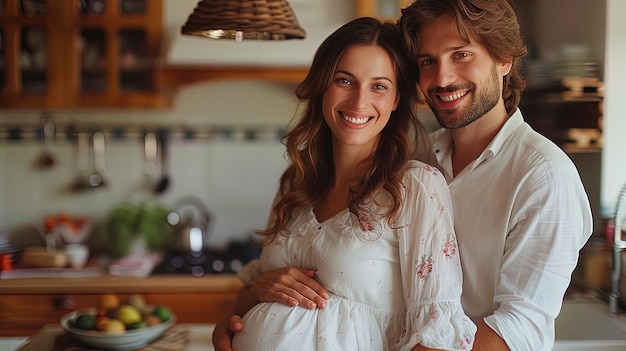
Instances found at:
x=521 y=212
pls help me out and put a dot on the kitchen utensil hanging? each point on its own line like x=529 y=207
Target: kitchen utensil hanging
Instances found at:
x=150 y=159
x=46 y=158
x=81 y=182
x=96 y=179
x=164 y=181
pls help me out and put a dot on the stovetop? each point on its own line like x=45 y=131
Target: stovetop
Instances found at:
x=210 y=261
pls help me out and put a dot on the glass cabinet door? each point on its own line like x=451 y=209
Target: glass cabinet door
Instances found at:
x=92 y=52
x=130 y=7
x=134 y=61
x=134 y=56
x=111 y=28
x=33 y=60
x=33 y=52
x=79 y=53
x=33 y=7
x=92 y=7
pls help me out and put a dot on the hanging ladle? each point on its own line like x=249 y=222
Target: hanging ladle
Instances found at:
x=96 y=179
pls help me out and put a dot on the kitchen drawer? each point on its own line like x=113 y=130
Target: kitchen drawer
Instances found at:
x=23 y=315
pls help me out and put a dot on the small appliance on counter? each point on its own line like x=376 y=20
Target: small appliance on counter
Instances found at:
x=210 y=261
x=191 y=223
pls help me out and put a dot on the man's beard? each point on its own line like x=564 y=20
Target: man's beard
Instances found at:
x=485 y=101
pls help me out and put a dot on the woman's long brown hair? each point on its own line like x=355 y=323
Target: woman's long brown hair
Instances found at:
x=308 y=142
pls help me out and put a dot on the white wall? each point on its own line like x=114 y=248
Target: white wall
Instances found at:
x=614 y=159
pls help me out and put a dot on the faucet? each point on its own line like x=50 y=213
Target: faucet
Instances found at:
x=618 y=246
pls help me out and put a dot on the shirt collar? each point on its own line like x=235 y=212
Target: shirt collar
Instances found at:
x=442 y=141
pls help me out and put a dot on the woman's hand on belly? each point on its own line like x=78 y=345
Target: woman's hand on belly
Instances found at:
x=292 y=286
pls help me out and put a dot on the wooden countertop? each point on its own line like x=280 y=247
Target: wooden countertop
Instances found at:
x=154 y=284
x=199 y=338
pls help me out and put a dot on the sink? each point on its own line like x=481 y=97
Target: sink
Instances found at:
x=585 y=324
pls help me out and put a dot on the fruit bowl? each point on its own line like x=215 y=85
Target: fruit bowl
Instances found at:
x=128 y=340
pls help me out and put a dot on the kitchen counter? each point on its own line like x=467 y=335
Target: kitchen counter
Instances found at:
x=584 y=324
x=199 y=339
x=173 y=283
x=27 y=304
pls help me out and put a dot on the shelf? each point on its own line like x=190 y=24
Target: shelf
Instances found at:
x=175 y=76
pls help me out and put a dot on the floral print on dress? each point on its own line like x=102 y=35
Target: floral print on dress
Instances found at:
x=431 y=169
x=464 y=343
x=450 y=247
x=365 y=225
x=425 y=267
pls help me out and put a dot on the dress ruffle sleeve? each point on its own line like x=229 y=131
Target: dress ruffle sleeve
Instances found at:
x=429 y=259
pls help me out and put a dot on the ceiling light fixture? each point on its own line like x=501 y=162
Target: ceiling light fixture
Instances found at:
x=243 y=19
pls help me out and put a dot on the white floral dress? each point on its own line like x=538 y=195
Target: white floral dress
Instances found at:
x=392 y=287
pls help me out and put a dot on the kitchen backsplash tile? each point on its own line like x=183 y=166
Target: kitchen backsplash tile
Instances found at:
x=235 y=179
x=225 y=150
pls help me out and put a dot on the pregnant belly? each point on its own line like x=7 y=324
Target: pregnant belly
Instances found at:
x=342 y=325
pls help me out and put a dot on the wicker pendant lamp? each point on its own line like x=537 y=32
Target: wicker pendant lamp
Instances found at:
x=243 y=19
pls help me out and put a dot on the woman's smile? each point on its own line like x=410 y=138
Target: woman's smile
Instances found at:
x=356 y=120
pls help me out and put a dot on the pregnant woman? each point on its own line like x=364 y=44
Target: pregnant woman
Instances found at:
x=374 y=224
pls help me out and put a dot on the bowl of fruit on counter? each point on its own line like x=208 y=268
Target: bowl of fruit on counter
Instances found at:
x=118 y=325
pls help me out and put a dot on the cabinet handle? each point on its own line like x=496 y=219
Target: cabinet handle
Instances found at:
x=63 y=303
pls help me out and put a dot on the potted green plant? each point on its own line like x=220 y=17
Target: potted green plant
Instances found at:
x=131 y=223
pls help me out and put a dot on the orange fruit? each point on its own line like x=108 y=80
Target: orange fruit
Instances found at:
x=109 y=301
x=101 y=323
